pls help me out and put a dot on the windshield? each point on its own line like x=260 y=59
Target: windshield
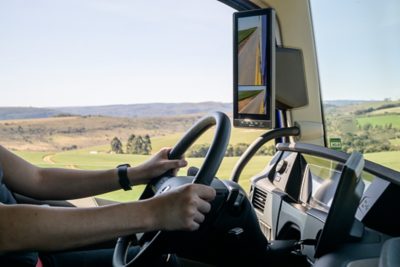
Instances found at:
x=93 y=84
x=359 y=64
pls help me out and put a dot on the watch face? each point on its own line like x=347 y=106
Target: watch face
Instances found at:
x=124 y=165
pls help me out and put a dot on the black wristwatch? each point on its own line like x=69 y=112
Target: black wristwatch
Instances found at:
x=123 y=177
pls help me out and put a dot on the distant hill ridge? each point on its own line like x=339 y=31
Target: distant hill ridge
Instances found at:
x=14 y=113
x=340 y=103
x=131 y=110
x=138 y=110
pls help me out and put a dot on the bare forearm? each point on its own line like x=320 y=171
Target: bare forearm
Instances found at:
x=69 y=184
x=29 y=227
x=52 y=183
x=64 y=184
x=26 y=227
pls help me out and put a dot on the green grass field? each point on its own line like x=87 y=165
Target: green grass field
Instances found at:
x=33 y=156
x=238 y=135
x=386 y=111
x=242 y=35
x=87 y=161
x=246 y=94
x=382 y=120
x=390 y=159
x=84 y=159
x=98 y=158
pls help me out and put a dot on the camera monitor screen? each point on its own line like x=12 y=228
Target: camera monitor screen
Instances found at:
x=254 y=68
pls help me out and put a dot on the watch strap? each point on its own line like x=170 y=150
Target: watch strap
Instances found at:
x=123 y=177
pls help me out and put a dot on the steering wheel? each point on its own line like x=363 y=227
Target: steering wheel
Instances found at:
x=150 y=242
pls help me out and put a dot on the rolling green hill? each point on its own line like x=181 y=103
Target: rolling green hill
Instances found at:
x=55 y=134
x=84 y=159
x=371 y=126
x=394 y=110
x=41 y=141
x=382 y=120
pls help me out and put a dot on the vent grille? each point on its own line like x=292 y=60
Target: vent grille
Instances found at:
x=259 y=199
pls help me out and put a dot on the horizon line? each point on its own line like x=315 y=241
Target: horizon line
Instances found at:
x=174 y=103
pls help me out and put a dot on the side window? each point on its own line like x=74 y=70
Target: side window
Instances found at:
x=359 y=61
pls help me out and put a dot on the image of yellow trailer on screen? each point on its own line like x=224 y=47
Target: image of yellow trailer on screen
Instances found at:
x=250 y=50
x=251 y=99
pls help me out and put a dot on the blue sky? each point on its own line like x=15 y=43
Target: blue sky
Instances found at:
x=249 y=22
x=358 y=46
x=98 y=52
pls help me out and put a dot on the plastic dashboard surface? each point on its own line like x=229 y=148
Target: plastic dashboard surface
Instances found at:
x=292 y=197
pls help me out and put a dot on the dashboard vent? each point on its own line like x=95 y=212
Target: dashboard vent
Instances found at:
x=259 y=199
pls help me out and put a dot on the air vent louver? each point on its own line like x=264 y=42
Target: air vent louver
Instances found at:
x=259 y=199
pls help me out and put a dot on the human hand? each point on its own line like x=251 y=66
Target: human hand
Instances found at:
x=183 y=208
x=155 y=166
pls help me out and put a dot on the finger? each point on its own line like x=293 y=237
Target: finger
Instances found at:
x=182 y=163
x=194 y=226
x=199 y=217
x=206 y=192
x=203 y=206
x=175 y=164
x=164 y=152
x=169 y=149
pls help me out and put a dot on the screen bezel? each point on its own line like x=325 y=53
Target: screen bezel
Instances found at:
x=256 y=120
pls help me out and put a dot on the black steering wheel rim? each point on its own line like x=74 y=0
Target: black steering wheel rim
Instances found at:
x=205 y=175
x=216 y=152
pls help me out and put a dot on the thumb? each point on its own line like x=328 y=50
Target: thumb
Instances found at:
x=177 y=163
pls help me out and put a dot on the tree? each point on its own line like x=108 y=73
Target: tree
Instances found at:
x=116 y=146
x=130 y=145
x=198 y=151
x=367 y=126
x=240 y=148
x=266 y=150
x=147 y=145
x=138 y=147
x=229 y=151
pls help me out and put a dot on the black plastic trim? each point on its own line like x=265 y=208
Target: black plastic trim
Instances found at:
x=260 y=141
x=315 y=150
x=240 y=5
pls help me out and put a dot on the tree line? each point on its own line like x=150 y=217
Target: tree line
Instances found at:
x=371 y=109
x=365 y=138
x=370 y=138
x=200 y=150
x=135 y=145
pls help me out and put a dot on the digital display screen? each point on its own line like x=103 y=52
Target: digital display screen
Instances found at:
x=252 y=65
x=254 y=68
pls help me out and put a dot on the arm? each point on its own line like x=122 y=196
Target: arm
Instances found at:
x=28 y=227
x=56 y=183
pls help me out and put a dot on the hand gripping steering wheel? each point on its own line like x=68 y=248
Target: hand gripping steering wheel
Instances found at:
x=149 y=242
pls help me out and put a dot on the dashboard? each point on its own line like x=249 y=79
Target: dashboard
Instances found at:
x=295 y=194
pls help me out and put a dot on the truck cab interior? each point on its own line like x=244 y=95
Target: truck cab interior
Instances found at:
x=311 y=205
